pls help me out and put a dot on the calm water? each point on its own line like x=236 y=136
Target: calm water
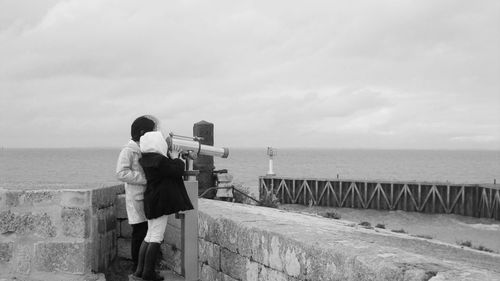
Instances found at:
x=62 y=166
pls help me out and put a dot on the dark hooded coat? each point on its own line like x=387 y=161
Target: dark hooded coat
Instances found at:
x=165 y=191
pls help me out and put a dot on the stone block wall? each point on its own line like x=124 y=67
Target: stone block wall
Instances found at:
x=67 y=231
x=248 y=243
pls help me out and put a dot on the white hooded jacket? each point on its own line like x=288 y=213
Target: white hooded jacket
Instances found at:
x=154 y=142
x=129 y=171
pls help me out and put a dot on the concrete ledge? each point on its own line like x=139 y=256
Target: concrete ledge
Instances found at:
x=257 y=243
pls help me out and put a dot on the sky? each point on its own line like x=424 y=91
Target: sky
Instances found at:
x=319 y=74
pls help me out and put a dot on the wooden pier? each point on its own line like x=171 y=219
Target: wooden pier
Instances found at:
x=463 y=199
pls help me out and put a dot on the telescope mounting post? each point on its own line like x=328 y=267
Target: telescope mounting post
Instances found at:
x=189 y=226
x=189 y=219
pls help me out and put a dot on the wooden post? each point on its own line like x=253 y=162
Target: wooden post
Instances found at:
x=448 y=203
x=392 y=197
x=340 y=195
x=354 y=187
x=366 y=195
x=204 y=163
x=377 y=189
x=405 y=195
x=420 y=207
x=328 y=195
x=316 y=193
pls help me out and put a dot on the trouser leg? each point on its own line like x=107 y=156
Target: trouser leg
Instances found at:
x=139 y=231
x=154 y=236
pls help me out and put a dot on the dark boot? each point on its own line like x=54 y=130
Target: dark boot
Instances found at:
x=139 y=231
x=148 y=272
x=141 y=259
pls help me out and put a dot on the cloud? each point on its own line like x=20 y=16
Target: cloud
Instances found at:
x=364 y=74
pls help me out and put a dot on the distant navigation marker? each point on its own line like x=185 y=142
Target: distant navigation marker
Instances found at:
x=271 y=152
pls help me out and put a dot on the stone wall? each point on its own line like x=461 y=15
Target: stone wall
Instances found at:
x=68 y=232
x=248 y=243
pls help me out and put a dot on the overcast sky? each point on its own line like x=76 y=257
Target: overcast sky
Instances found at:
x=339 y=74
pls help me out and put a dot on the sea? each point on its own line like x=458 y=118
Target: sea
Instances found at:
x=59 y=167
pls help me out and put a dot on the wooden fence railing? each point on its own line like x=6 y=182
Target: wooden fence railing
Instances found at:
x=463 y=199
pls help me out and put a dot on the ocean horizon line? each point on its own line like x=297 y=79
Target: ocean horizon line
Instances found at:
x=265 y=147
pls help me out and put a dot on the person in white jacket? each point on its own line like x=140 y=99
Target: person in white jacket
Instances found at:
x=129 y=171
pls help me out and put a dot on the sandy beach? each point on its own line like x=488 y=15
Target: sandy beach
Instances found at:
x=451 y=229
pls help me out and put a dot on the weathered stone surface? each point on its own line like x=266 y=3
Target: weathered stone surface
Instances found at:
x=225 y=277
x=66 y=257
x=173 y=236
x=121 y=207
x=44 y=226
x=101 y=221
x=6 y=249
x=28 y=198
x=106 y=250
x=23 y=259
x=9 y=198
x=208 y=228
x=106 y=220
x=53 y=276
x=252 y=243
x=75 y=222
x=105 y=197
x=76 y=198
x=125 y=229
x=275 y=260
x=209 y=253
x=110 y=219
x=171 y=258
x=207 y=273
x=237 y=266
x=112 y=236
x=8 y=222
x=41 y=197
x=322 y=249
x=27 y=223
x=267 y=273
x=124 y=248
x=229 y=231
x=174 y=222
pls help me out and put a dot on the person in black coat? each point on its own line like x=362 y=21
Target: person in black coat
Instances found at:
x=165 y=194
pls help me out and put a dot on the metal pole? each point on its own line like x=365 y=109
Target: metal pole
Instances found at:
x=189 y=227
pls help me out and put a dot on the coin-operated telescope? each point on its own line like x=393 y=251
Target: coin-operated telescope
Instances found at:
x=190 y=149
x=193 y=148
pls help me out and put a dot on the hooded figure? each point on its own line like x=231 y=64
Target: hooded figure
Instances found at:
x=165 y=192
x=129 y=171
